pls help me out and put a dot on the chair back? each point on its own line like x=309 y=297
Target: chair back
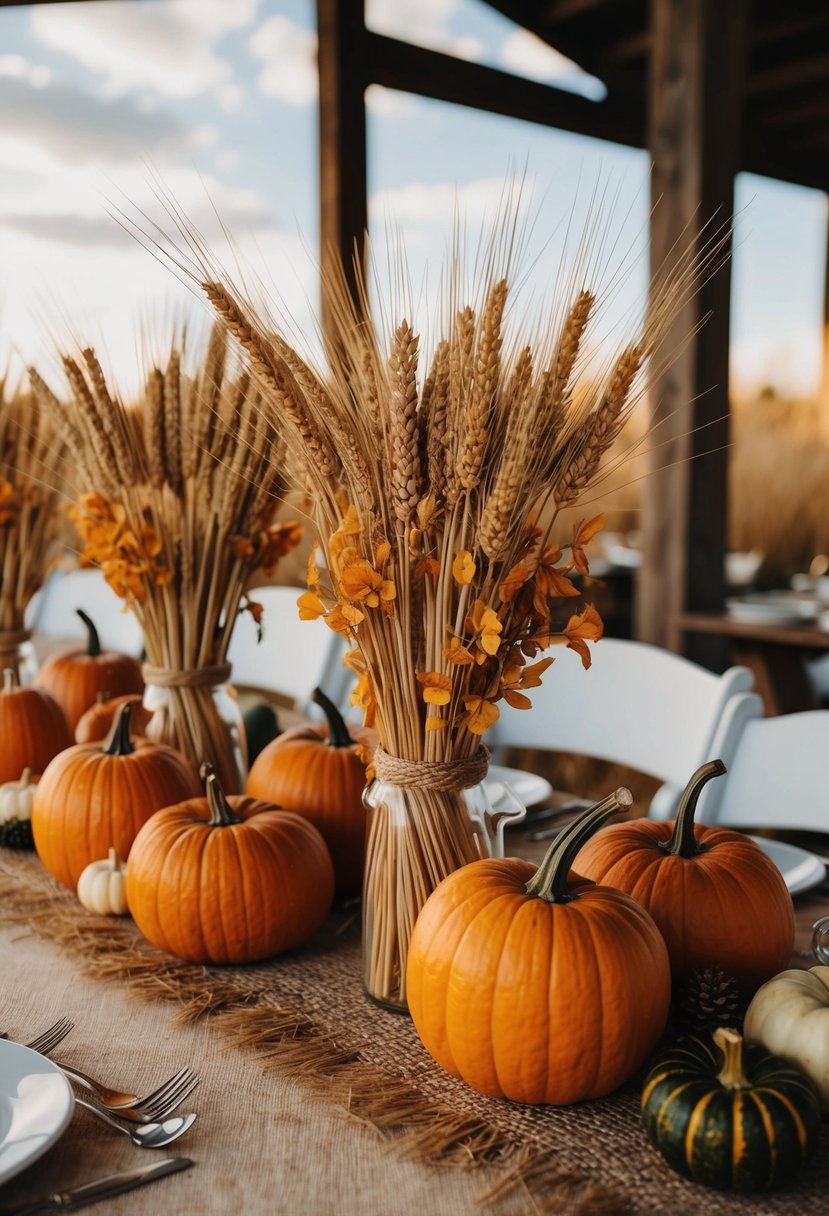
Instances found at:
x=293 y=657
x=52 y=612
x=777 y=776
x=637 y=705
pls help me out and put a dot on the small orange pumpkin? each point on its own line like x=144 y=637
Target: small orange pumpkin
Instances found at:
x=77 y=676
x=94 y=797
x=713 y=892
x=318 y=773
x=535 y=984
x=33 y=728
x=96 y=723
x=228 y=879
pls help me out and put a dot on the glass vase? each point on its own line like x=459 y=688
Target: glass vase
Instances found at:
x=204 y=724
x=415 y=838
x=18 y=653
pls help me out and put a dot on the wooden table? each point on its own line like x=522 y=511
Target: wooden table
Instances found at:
x=776 y=654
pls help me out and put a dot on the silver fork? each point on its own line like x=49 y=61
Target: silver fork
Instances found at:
x=151 y=1135
x=51 y=1037
x=157 y=1105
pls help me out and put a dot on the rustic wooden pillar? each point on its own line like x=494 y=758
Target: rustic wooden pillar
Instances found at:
x=342 y=133
x=696 y=88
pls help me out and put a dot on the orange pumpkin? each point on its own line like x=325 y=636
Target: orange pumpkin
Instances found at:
x=535 y=984
x=77 y=676
x=228 y=880
x=713 y=892
x=318 y=773
x=94 y=797
x=96 y=723
x=33 y=728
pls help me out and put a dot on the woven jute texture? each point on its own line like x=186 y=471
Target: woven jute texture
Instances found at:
x=306 y=1017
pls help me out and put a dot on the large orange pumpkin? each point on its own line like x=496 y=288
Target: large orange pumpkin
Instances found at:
x=535 y=984
x=96 y=723
x=318 y=773
x=228 y=880
x=77 y=676
x=713 y=892
x=95 y=796
x=33 y=728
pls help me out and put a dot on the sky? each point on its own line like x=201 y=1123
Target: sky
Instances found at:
x=213 y=103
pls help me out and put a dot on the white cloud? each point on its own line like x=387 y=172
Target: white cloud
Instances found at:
x=166 y=45
x=389 y=103
x=289 y=56
x=526 y=55
x=424 y=22
x=227 y=159
x=419 y=203
x=73 y=126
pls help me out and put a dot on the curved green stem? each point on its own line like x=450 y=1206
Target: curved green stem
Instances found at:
x=221 y=816
x=93 y=646
x=338 y=735
x=683 y=842
x=118 y=741
x=550 y=879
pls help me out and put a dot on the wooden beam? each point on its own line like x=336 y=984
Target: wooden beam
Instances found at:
x=342 y=136
x=696 y=95
x=564 y=10
x=790 y=75
x=413 y=69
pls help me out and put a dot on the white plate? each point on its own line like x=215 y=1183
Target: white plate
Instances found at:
x=773 y=608
x=36 y=1104
x=527 y=787
x=800 y=869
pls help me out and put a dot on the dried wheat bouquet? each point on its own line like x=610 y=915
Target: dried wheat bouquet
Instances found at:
x=31 y=473
x=437 y=475
x=181 y=492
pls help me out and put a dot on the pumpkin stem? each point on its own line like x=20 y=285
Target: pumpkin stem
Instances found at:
x=25 y=778
x=113 y=859
x=338 y=735
x=730 y=1043
x=10 y=680
x=221 y=816
x=683 y=842
x=550 y=879
x=93 y=646
x=118 y=741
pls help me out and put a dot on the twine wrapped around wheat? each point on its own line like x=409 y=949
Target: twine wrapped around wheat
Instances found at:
x=184 y=485
x=436 y=481
x=31 y=473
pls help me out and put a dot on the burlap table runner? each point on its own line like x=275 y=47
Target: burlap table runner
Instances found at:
x=307 y=1017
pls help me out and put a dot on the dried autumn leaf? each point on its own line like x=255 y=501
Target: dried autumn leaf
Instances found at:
x=480 y=714
x=583 y=533
x=457 y=653
x=311 y=607
x=463 y=568
x=437 y=688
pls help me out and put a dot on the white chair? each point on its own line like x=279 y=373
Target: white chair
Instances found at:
x=777 y=776
x=52 y=611
x=294 y=657
x=638 y=705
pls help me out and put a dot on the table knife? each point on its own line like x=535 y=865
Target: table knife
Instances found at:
x=103 y=1188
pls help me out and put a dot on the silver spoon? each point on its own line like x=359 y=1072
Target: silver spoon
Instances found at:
x=148 y=1135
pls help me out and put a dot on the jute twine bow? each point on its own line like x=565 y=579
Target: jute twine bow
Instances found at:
x=199 y=677
x=432 y=775
x=12 y=638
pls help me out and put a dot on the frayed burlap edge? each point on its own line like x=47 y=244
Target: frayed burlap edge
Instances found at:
x=286 y=1040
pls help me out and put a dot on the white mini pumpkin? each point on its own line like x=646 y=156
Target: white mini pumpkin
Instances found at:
x=16 y=798
x=101 y=886
x=789 y=1016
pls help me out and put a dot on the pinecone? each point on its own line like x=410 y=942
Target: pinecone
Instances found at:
x=710 y=998
x=17 y=834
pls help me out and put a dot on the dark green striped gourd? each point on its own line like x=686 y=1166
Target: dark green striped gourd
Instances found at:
x=729 y=1114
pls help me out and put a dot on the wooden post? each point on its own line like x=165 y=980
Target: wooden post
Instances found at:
x=342 y=133
x=696 y=89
